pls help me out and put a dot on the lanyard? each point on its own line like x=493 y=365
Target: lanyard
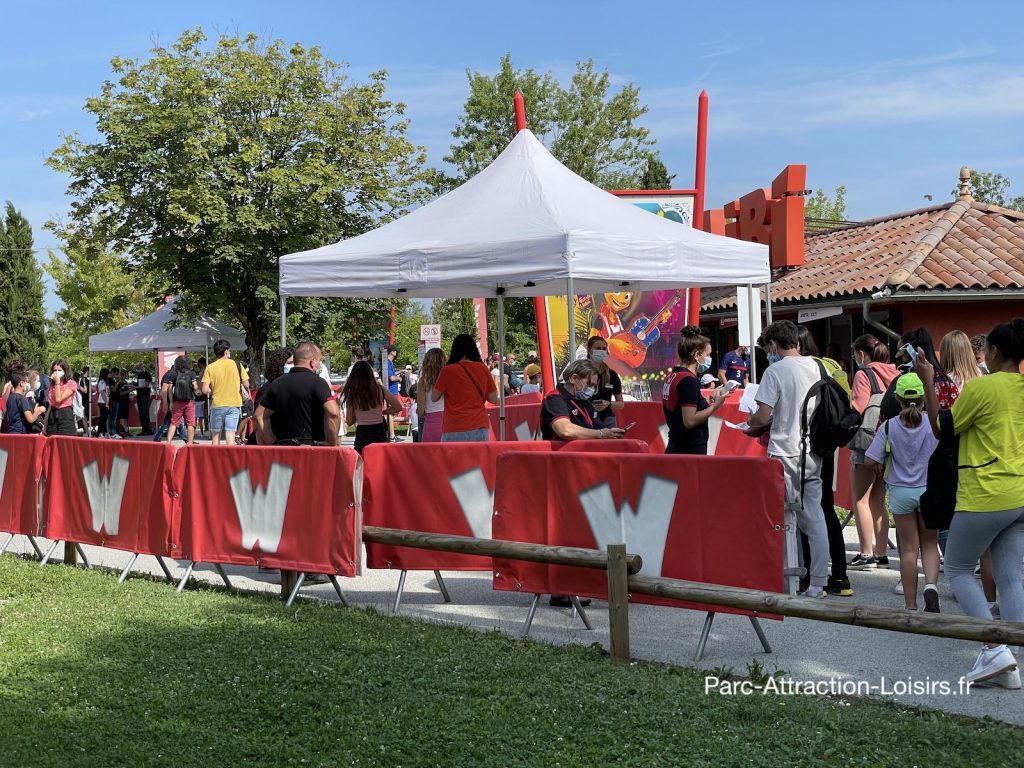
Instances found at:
x=583 y=413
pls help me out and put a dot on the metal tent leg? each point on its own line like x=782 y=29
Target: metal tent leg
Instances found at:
x=187 y=576
x=223 y=575
x=760 y=634
x=128 y=568
x=35 y=546
x=442 y=586
x=46 y=557
x=578 y=607
x=295 y=590
x=398 y=594
x=530 y=614
x=163 y=567
x=81 y=554
x=704 y=633
x=6 y=544
x=337 y=588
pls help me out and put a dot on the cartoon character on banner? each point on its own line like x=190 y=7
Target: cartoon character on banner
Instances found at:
x=631 y=346
x=607 y=322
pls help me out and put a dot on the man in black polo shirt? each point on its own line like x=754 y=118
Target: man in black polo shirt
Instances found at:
x=299 y=408
x=567 y=413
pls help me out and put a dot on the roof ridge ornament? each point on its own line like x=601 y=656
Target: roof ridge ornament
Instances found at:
x=965 y=185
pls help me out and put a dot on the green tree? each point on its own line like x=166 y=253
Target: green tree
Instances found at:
x=825 y=208
x=590 y=130
x=99 y=295
x=338 y=325
x=211 y=163
x=993 y=188
x=455 y=316
x=22 y=329
x=656 y=175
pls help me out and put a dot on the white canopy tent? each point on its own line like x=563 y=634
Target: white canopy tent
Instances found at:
x=524 y=226
x=151 y=333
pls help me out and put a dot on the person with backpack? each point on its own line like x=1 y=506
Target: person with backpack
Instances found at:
x=183 y=404
x=988 y=417
x=899 y=454
x=785 y=404
x=872 y=377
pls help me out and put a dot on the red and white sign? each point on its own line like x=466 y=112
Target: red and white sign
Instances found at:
x=430 y=335
x=21 y=466
x=687 y=516
x=110 y=494
x=288 y=508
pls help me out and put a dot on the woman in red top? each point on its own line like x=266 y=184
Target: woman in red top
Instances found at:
x=466 y=385
x=60 y=419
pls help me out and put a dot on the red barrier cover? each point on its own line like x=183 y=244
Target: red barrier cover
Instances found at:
x=708 y=519
x=115 y=494
x=21 y=466
x=601 y=446
x=522 y=420
x=288 y=508
x=435 y=488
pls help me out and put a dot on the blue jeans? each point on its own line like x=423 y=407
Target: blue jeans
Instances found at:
x=112 y=419
x=469 y=436
x=161 y=433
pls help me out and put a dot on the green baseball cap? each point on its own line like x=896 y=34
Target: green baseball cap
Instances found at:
x=909 y=386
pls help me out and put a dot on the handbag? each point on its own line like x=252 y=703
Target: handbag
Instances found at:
x=247 y=409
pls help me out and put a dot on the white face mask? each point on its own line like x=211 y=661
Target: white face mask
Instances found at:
x=598 y=355
x=288 y=367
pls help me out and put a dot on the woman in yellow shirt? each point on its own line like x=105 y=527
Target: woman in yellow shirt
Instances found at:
x=989 y=419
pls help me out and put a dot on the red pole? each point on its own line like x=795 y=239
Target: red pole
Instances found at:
x=540 y=308
x=699 y=173
x=391 y=330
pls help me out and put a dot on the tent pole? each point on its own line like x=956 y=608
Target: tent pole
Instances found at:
x=501 y=370
x=570 y=300
x=751 y=309
x=768 y=303
x=284 y=310
x=88 y=397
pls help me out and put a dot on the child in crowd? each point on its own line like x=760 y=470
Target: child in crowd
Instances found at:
x=532 y=374
x=900 y=453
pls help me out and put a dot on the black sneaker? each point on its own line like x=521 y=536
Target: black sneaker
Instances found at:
x=840 y=587
x=862 y=563
x=931 y=599
x=882 y=562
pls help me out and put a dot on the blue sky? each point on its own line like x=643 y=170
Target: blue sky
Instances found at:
x=888 y=99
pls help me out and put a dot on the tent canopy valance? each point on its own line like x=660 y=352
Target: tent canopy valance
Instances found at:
x=528 y=225
x=151 y=333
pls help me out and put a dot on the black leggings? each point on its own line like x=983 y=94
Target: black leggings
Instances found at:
x=834 y=528
x=370 y=433
x=104 y=416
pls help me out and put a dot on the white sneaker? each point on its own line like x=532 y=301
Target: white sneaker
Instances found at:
x=1009 y=679
x=813 y=592
x=992 y=662
x=898 y=589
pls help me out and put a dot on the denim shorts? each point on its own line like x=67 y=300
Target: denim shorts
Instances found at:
x=469 y=436
x=225 y=417
x=903 y=501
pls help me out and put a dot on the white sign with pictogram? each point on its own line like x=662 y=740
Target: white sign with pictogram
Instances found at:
x=430 y=335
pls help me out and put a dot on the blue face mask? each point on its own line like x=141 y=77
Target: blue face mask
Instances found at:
x=586 y=393
x=773 y=357
x=704 y=365
x=288 y=367
x=598 y=355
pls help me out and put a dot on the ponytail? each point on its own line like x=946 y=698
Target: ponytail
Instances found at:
x=1008 y=338
x=910 y=415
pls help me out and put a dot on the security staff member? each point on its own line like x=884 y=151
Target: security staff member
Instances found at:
x=567 y=413
x=299 y=407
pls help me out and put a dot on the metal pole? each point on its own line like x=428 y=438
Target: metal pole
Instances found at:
x=501 y=364
x=751 y=309
x=570 y=300
x=768 y=303
x=284 y=333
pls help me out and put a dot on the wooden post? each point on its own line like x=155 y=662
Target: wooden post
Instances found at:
x=70 y=553
x=288 y=579
x=618 y=604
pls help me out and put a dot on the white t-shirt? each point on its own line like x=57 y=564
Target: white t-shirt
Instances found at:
x=430 y=406
x=784 y=386
x=527 y=389
x=101 y=392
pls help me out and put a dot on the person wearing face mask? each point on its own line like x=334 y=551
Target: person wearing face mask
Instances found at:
x=279 y=363
x=686 y=410
x=60 y=418
x=735 y=366
x=607 y=401
x=299 y=408
x=21 y=412
x=567 y=413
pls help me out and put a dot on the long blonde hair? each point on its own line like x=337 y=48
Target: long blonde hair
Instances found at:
x=433 y=362
x=957 y=357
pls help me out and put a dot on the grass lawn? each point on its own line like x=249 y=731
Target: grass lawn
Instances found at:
x=93 y=673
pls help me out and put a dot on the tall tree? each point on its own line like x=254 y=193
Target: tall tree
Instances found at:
x=211 y=163
x=656 y=175
x=590 y=130
x=993 y=188
x=22 y=331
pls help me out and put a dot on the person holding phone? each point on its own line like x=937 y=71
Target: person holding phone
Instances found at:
x=567 y=413
x=607 y=401
x=60 y=418
x=686 y=410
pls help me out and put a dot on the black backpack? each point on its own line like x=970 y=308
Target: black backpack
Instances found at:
x=182 y=386
x=938 y=502
x=834 y=422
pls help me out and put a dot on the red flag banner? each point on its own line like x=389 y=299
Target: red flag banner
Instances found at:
x=689 y=517
x=21 y=466
x=115 y=494
x=289 y=508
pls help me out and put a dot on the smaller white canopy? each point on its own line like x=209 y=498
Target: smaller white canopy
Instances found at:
x=151 y=333
x=526 y=224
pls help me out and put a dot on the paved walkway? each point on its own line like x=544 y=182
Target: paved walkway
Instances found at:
x=804 y=650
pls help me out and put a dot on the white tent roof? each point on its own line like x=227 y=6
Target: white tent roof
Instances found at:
x=526 y=223
x=150 y=333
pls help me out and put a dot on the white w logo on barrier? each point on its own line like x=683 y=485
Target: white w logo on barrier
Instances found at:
x=261 y=510
x=3 y=468
x=523 y=432
x=644 y=531
x=476 y=500
x=106 y=493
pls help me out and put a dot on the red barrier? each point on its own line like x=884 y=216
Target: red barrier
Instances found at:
x=288 y=508
x=435 y=488
x=21 y=466
x=672 y=510
x=522 y=421
x=601 y=446
x=116 y=494
x=650 y=423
